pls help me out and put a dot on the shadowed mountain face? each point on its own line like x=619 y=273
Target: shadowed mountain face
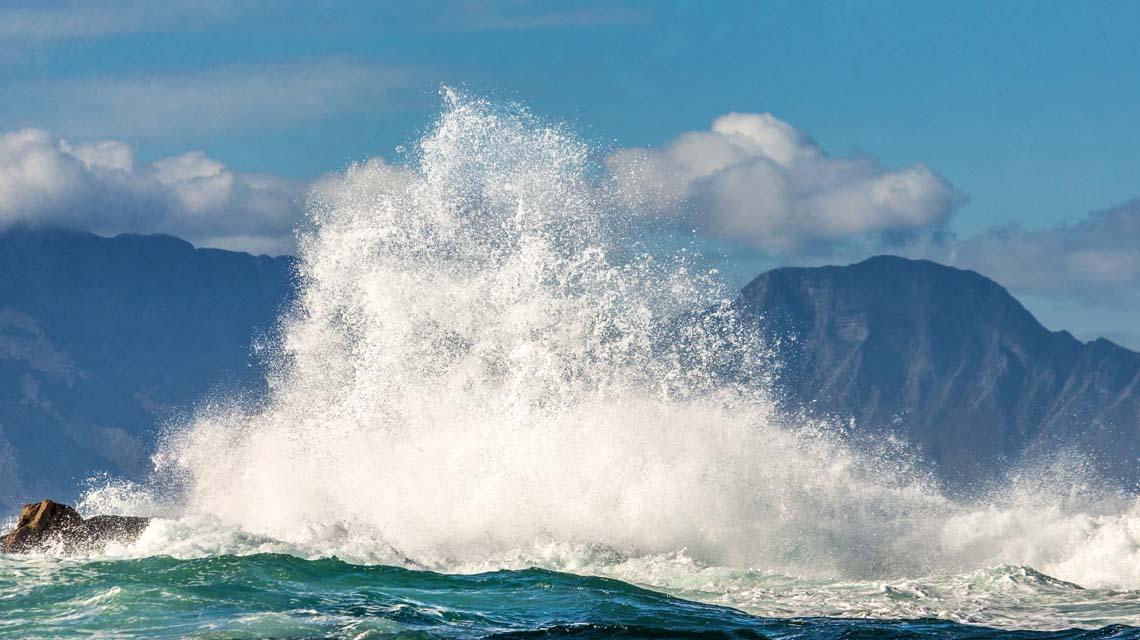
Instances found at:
x=949 y=360
x=102 y=339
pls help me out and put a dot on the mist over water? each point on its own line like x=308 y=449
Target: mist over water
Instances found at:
x=483 y=370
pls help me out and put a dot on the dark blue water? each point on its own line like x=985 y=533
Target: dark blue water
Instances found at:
x=281 y=596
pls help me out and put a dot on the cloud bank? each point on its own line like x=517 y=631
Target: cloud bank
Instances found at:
x=755 y=179
x=99 y=187
x=751 y=179
x=1098 y=257
x=767 y=188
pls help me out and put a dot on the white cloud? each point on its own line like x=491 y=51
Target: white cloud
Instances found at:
x=1097 y=257
x=224 y=98
x=99 y=186
x=106 y=154
x=755 y=179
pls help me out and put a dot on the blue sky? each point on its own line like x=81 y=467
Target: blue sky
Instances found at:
x=1024 y=113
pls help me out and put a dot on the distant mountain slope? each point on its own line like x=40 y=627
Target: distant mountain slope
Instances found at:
x=103 y=338
x=949 y=359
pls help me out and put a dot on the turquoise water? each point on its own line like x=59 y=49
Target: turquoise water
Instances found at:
x=281 y=596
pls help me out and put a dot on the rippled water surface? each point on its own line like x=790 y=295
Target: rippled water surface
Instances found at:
x=274 y=595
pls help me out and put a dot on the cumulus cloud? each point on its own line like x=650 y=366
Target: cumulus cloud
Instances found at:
x=100 y=187
x=755 y=179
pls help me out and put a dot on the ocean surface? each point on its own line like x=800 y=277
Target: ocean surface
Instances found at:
x=282 y=596
x=495 y=410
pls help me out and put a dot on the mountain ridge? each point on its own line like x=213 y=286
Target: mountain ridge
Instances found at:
x=104 y=339
x=949 y=359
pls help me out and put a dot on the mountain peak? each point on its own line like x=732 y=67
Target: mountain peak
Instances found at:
x=947 y=356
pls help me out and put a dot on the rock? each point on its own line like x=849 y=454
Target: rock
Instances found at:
x=39 y=524
x=51 y=524
x=104 y=529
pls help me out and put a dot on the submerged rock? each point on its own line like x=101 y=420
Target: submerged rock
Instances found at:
x=51 y=524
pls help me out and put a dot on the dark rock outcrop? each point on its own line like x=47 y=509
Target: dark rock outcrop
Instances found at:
x=47 y=524
x=41 y=524
x=950 y=361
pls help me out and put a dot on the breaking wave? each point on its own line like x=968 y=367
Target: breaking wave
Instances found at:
x=486 y=369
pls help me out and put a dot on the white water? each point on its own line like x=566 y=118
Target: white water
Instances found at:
x=484 y=370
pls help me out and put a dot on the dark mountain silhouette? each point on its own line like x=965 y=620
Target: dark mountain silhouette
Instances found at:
x=101 y=339
x=951 y=361
x=104 y=339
